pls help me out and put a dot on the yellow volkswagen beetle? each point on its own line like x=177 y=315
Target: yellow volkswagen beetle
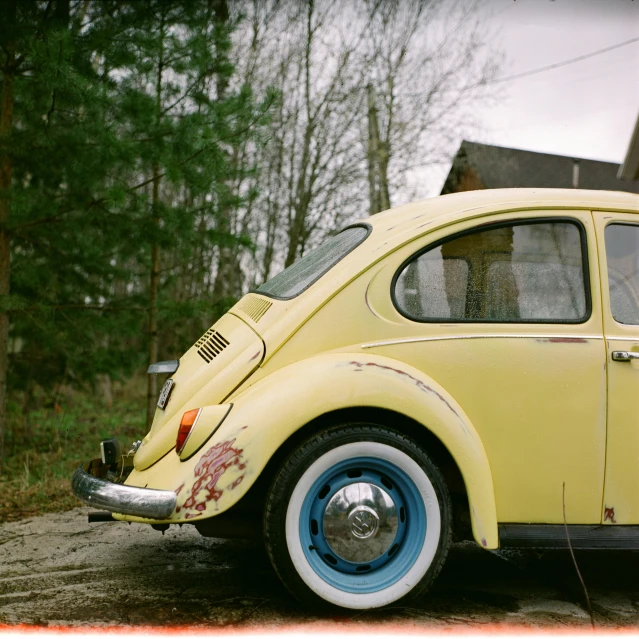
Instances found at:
x=466 y=366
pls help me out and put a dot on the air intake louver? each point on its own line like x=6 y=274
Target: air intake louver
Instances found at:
x=254 y=307
x=210 y=345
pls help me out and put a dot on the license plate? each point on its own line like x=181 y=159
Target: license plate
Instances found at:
x=165 y=393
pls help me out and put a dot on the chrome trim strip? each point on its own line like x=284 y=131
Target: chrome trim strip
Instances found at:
x=169 y=366
x=412 y=340
x=118 y=498
x=623 y=339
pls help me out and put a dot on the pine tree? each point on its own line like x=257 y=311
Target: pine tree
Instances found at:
x=114 y=157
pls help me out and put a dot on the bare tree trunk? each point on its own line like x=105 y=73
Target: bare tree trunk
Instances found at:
x=372 y=154
x=152 y=384
x=6 y=125
x=302 y=195
x=377 y=159
x=228 y=279
x=383 y=156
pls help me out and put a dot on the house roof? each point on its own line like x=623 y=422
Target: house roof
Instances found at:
x=500 y=167
x=629 y=170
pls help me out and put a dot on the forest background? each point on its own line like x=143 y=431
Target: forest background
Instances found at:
x=158 y=159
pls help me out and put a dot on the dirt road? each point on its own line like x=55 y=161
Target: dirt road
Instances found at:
x=59 y=570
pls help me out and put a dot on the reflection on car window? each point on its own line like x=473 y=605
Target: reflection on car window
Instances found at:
x=622 y=253
x=522 y=272
x=307 y=270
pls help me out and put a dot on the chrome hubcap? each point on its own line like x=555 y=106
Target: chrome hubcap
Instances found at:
x=360 y=522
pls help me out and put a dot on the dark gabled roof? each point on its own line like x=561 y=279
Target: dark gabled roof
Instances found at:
x=497 y=167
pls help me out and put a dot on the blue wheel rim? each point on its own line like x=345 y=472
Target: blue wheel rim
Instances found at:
x=386 y=570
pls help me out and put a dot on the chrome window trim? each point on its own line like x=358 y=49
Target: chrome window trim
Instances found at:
x=412 y=340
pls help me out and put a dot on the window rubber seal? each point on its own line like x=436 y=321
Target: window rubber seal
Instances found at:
x=363 y=225
x=497 y=225
x=607 y=226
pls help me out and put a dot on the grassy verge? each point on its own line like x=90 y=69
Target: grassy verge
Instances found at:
x=46 y=445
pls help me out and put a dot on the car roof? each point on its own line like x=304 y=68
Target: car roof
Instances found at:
x=445 y=209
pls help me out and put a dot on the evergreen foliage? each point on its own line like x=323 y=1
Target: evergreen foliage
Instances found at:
x=120 y=153
x=158 y=158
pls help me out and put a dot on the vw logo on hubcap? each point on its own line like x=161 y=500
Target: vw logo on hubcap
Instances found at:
x=360 y=522
x=364 y=522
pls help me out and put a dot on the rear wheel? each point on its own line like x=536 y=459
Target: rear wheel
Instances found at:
x=358 y=517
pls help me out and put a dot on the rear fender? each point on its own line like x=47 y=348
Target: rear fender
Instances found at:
x=266 y=414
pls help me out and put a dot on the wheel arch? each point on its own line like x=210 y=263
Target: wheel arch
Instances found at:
x=284 y=407
x=418 y=432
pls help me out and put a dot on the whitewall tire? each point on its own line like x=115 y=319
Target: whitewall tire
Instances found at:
x=358 y=517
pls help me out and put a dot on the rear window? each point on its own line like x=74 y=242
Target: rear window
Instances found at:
x=307 y=270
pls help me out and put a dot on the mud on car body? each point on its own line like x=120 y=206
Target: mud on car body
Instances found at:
x=458 y=367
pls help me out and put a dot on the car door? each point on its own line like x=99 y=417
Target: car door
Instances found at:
x=618 y=239
x=506 y=315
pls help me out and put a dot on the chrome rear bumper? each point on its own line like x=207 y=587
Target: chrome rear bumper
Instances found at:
x=118 y=498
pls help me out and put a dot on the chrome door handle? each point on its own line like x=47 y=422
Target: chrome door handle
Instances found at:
x=624 y=356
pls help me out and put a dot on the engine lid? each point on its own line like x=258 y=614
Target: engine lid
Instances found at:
x=209 y=371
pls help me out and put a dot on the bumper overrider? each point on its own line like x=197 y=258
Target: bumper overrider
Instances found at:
x=100 y=492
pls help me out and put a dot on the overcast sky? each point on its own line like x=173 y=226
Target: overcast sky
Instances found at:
x=586 y=109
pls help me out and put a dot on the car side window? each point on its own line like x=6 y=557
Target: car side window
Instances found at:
x=622 y=254
x=522 y=272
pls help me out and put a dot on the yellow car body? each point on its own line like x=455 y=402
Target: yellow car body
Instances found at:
x=539 y=421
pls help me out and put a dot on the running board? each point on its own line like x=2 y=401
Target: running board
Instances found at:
x=609 y=537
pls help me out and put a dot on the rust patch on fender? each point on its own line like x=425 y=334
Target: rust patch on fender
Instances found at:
x=418 y=382
x=483 y=542
x=237 y=482
x=255 y=356
x=609 y=515
x=212 y=465
x=563 y=340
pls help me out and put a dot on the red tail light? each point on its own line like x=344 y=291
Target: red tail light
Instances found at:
x=186 y=426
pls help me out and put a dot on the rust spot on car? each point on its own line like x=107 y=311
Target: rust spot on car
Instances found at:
x=418 y=382
x=563 y=340
x=212 y=465
x=483 y=542
x=609 y=515
x=255 y=356
x=179 y=489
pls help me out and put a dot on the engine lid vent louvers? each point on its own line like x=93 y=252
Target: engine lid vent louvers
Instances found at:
x=210 y=345
x=254 y=307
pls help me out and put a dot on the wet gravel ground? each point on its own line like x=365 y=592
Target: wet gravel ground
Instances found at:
x=59 y=570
